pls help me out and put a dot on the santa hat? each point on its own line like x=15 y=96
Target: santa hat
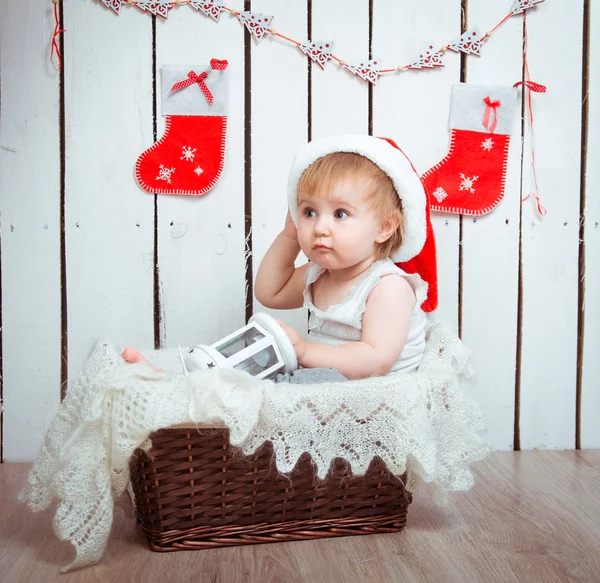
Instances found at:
x=417 y=252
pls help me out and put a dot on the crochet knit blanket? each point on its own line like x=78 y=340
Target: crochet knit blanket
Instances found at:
x=417 y=422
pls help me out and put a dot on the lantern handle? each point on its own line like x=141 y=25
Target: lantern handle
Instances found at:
x=281 y=338
x=185 y=370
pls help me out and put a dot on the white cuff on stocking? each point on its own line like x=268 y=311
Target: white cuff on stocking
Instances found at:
x=467 y=109
x=191 y=100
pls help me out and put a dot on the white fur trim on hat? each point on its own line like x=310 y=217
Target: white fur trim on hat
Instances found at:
x=393 y=162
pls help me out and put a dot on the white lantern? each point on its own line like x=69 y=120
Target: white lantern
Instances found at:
x=261 y=348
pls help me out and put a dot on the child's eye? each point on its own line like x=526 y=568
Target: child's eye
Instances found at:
x=309 y=213
x=340 y=214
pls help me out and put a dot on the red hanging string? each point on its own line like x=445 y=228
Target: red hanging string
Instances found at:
x=532 y=85
x=57 y=30
x=284 y=37
x=488 y=34
x=529 y=87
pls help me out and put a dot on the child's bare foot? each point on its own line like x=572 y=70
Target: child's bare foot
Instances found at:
x=134 y=356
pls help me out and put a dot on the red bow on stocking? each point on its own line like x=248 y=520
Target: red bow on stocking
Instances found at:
x=215 y=64
x=193 y=78
x=490 y=106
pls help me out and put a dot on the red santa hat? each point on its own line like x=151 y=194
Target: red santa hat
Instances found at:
x=417 y=252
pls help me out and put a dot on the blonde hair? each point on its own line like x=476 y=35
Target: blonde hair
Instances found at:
x=323 y=175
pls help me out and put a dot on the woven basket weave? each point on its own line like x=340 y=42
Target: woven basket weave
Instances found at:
x=193 y=490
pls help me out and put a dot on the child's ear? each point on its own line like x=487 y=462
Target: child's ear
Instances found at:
x=388 y=227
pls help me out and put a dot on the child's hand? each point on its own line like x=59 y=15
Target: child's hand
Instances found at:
x=290 y=229
x=298 y=342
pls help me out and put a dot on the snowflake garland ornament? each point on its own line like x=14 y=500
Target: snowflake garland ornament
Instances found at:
x=165 y=174
x=156 y=7
x=212 y=8
x=467 y=183
x=519 y=6
x=114 y=5
x=488 y=144
x=318 y=51
x=188 y=153
x=368 y=71
x=256 y=23
x=469 y=43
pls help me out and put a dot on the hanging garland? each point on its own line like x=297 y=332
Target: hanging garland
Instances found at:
x=317 y=51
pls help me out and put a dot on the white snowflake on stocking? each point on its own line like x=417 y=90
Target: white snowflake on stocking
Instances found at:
x=165 y=174
x=519 y=6
x=198 y=171
x=467 y=183
x=156 y=7
x=318 y=51
x=368 y=71
x=212 y=8
x=469 y=43
x=188 y=153
x=114 y=5
x=488 y=144
x=257 y=24
x=440 y=194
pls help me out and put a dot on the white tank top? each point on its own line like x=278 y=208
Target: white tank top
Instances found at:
x=342 y=323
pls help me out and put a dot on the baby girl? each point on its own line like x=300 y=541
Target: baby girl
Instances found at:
x=357 y=208
x=359 y=212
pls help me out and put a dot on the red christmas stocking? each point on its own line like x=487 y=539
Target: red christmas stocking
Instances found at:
x=189 y=157
x=470 y=179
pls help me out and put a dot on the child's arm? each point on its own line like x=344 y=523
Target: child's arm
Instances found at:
x=279 y=285
x=385 y=327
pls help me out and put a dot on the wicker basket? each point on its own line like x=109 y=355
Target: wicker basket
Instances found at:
x=193 y=490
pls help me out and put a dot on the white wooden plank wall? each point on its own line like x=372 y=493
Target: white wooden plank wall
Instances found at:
x=109 y=220
x=490 y=244
x=590 y=393
x=551 y=245
x=413 y=110
x=279 y=128
x=201 y=242
x=340 y=101
x=30 y=228
x=117 y=237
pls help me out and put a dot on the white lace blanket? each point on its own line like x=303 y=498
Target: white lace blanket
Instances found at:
x=420 y=422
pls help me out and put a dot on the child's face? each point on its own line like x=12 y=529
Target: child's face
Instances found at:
x=337 y=229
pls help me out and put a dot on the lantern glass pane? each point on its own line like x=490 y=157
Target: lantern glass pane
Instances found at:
x=258 y=362
x=238 y=343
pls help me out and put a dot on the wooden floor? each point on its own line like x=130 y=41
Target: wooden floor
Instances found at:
x=531 y=517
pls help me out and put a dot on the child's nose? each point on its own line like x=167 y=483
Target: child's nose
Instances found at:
x=322 y=226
